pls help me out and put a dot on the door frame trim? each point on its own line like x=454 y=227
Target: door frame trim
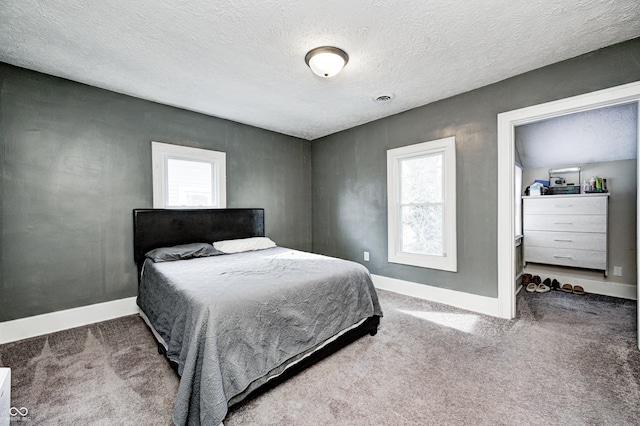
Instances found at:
x=507 y=121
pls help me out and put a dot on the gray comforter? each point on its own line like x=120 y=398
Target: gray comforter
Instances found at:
x=229 y=320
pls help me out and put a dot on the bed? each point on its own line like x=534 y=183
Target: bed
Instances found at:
x=234 y=325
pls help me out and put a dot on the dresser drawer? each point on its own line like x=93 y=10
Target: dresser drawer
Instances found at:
x=566 y=205
x=568 y=240
x=576 y=223
x=591 y=259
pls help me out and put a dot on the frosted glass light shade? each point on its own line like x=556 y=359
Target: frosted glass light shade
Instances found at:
x=326 y=61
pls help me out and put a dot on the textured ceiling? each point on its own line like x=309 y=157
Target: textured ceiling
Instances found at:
x=244 y=60
x=605 y=134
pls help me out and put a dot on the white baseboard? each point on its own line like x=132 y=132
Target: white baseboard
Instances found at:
x=24 y=328
x=606 y=288
x=459 y=299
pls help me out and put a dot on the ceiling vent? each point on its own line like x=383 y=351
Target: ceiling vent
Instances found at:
x=384 y=99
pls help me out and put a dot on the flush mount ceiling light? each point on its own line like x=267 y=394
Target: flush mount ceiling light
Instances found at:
x=326 y=61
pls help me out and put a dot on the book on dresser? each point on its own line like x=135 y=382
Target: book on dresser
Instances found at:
x=566 y=230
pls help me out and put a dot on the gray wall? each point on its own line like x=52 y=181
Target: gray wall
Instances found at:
x=349 y=168
x=75 y=160
x=621 y=232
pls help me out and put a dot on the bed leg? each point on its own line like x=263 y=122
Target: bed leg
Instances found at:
x=375 y=321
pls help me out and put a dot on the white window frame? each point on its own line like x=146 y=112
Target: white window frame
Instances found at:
x=448 y=261
x=162 y=152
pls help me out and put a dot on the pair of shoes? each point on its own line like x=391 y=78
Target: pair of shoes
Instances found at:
x=568 y=288
x=538 y=287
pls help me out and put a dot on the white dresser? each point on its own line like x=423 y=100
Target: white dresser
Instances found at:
x=566 y=230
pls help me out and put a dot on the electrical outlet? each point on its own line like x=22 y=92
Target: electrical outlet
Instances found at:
x=617 y=271
x=366 y=256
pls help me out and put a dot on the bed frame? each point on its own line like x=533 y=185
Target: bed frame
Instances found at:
x=153 y=228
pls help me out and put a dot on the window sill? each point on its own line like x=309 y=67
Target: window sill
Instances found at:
x=442 y=263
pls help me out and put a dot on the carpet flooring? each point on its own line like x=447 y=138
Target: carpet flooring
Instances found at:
x=564 y=360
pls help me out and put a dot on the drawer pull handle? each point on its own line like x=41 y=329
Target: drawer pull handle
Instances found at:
x=563 y=241
x=564 y=205
x=564 y=223
x=562 y=257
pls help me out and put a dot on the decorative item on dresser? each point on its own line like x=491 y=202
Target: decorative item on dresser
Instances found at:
x=566 y=230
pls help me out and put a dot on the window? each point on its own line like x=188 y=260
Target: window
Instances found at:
x=186 y=177
x=421 y=184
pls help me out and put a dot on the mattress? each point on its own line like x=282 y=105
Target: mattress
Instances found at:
x=231 y=322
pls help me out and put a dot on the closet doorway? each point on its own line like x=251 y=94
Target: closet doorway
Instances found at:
x=507 y=122
x=598 y=143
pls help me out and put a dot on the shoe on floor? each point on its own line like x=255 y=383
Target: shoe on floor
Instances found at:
x=567 y=288
x=555 y=284
x=578 y=290
x=531 y=288
x=543 y=288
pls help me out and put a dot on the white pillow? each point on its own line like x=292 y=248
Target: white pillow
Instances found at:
x=244 y=244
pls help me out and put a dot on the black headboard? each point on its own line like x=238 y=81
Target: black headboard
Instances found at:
x=153 y=228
